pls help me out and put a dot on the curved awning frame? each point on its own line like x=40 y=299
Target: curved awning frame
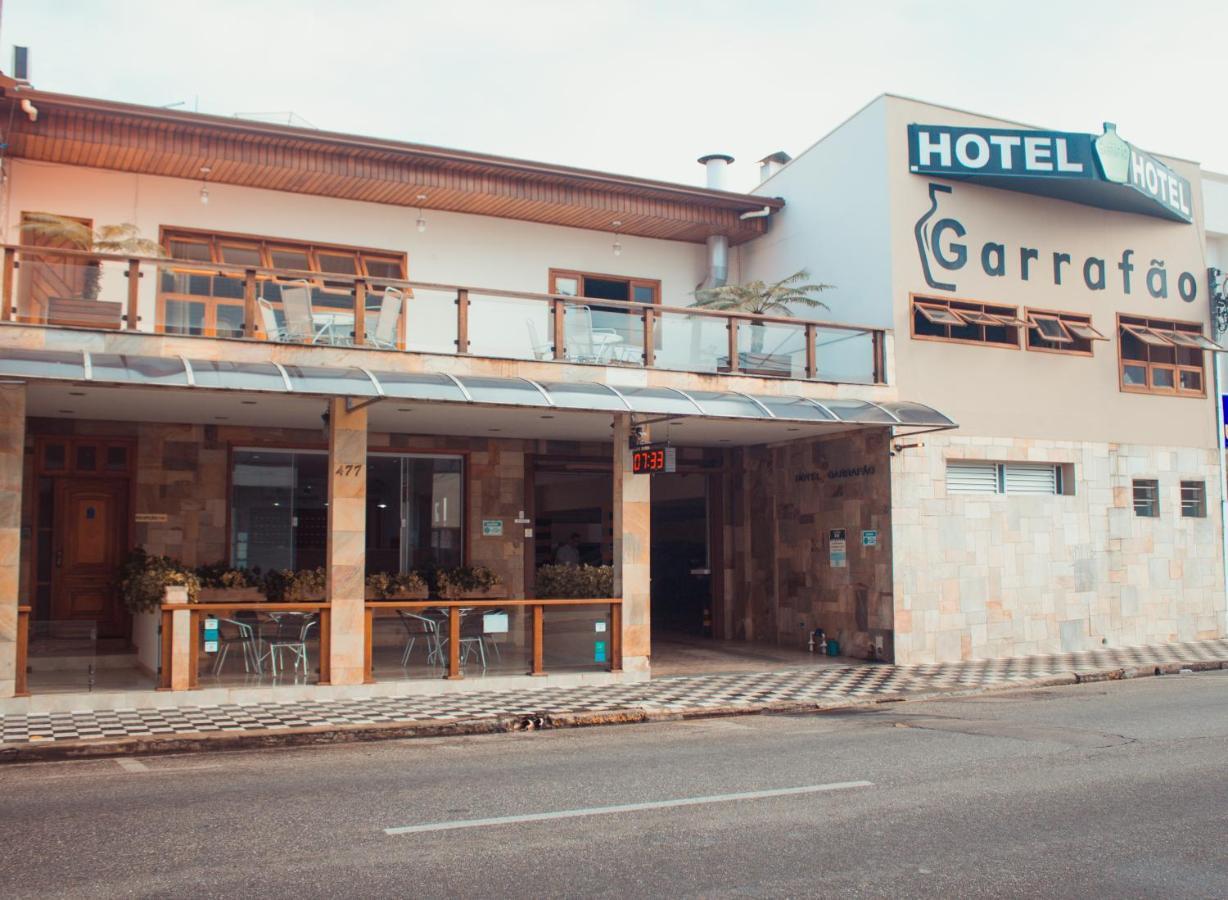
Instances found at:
x=149 y=371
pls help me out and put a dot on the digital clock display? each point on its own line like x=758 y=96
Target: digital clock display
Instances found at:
x=648 y=460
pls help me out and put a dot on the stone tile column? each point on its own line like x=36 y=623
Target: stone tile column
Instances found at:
x=347 y=541
x=632 y=546
x=12 y=450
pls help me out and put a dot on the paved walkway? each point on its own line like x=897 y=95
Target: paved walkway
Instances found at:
x=740 y=691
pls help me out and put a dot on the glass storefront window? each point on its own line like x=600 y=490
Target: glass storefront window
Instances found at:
x=279 y=510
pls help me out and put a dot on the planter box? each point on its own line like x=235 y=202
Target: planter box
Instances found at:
x=403 y=595
x=495 y=593
x=231 y=595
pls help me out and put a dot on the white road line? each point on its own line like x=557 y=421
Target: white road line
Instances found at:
x=131 y=765
x=627 y=807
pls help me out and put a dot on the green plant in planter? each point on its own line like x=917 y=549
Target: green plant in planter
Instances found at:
x=222 y=575
x=286 y=586
x=578 y=582
x=462 y=580
x=143 y=580
x=386 y=585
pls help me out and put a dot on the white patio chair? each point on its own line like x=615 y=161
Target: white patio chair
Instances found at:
x=419 y=626
x=296 y=303
x=578 y=332
x=541 y=349
x=290 y=638
x=268 y=316
x=384 y=335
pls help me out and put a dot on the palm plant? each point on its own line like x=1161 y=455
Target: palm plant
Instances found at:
x=66 y=231
x=765 y=299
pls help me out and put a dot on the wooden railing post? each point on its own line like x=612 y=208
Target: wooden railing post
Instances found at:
x=650 y=356
x=558 y=310
x=733 y=345
x=537 y=641
x=454 y=634
x=616 y=637
x=132 y=317
x=251 y=314
x=21 y=684
x=360 y=312
x=193 y=649
x=7 y=309
x=324 y=629
x=812 y=357
x=462 y=321
x=368 y=666
x=167 y=634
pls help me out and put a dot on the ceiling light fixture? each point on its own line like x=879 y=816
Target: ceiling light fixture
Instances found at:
x=618 y=246
x=204 y=185
x=421 y=221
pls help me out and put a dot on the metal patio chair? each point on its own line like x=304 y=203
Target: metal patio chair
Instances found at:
x=268 y=317
x=419 y=626
x=296 y=303
x=579 y=334
x=384 y=334
x=243 y=635
x=291 y=637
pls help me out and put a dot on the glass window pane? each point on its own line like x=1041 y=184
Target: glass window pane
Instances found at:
x=212 y=373
x=383 y=514
x=691 y=343
x=583 y=395
x=340 y=263
x=42 y=363
x=383 y=268
x=287 y=258
x=87 y=457
x=117 y=458
x=503 y=390
x=310 y=510
x=194 y=250
x=644 y=293
x=1193 y=499
x=1134 y=376
x=184 y=317
x=55 y=456
x=1191 y=380
x=229 y=321
x=1146 y=498
x=262 y=509
x=1051 y=329
x=1161 y=377
x=434 y=511
x=138 y=369
x=241 y=255
x=772 y=349
x=569 y=287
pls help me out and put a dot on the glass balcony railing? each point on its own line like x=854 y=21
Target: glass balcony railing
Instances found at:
x=72 y=288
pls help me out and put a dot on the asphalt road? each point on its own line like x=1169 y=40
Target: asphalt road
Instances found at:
x=1109 y=790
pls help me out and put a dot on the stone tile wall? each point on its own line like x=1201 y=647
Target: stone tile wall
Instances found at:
x=1004 y=575
x=784 y=502
x=12 y=463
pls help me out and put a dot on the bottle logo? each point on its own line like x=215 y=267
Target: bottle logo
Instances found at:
x=1113 y=154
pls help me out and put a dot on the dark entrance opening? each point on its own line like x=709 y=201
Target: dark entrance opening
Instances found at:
x=681 y=566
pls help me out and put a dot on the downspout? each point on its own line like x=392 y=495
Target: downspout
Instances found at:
x=1216 y=286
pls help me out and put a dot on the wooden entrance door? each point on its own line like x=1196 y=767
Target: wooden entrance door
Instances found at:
x=90 y=539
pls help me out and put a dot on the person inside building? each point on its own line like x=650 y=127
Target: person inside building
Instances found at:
x=569 y=554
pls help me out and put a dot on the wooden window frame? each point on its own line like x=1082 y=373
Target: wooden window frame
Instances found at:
x=1133 y=323
x=215 y=240
x=1007 y=315
x=1076 y=346
x=632 y=283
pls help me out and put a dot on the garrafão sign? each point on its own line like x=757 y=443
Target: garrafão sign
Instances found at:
x=946 y=247
x=1103 y=170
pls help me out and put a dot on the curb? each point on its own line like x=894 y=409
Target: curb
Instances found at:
x=324 y=735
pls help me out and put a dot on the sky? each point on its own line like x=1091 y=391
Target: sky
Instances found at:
x=643 y=88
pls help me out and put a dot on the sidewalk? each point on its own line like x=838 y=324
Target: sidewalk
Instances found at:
x=131 y=731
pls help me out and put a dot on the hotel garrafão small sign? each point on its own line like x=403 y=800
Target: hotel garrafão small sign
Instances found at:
x=1098 y=170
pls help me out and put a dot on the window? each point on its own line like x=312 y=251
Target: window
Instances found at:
x=1060 y=332
x=1161 y=356
x=205 y=300
x=1147 y=498
x=279 y=510
x=967 y=477
x=626 y=325
x=1193 y=499
x=965 y=321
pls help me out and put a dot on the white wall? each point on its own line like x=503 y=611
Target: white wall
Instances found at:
x=1215 y=206
x=836 y=222
x=477 y=251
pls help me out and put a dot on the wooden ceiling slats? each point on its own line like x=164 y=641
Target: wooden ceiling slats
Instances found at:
x=76 y=137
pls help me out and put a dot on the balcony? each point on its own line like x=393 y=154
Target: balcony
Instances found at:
x=78 y=289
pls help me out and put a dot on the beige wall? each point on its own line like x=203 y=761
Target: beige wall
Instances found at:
x=1024 y=393
x=990 y=575
x=477 y=251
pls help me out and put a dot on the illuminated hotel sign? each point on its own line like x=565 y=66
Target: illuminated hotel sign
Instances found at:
x=1103 y=170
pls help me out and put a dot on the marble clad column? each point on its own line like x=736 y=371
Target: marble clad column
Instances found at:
x=347 y=540
x=632 y=546
x=12 y=450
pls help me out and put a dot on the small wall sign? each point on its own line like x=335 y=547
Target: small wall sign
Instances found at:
x=150 y=517
x=837 y=548
x=869 y=539
x=492 y=528
x=211 y=638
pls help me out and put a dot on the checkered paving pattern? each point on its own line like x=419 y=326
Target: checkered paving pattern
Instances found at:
x=695 y=692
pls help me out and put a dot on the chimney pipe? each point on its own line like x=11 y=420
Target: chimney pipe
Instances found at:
x=716 y=165
x=771 y=164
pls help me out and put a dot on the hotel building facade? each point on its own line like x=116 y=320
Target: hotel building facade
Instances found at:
x=998 y=438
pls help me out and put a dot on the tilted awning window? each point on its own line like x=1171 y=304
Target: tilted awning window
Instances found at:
x=173 y=371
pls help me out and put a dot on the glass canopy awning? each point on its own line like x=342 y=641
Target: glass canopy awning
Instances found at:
x=360 y=383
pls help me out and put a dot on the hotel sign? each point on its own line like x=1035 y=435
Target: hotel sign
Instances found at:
x=1097 y=170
